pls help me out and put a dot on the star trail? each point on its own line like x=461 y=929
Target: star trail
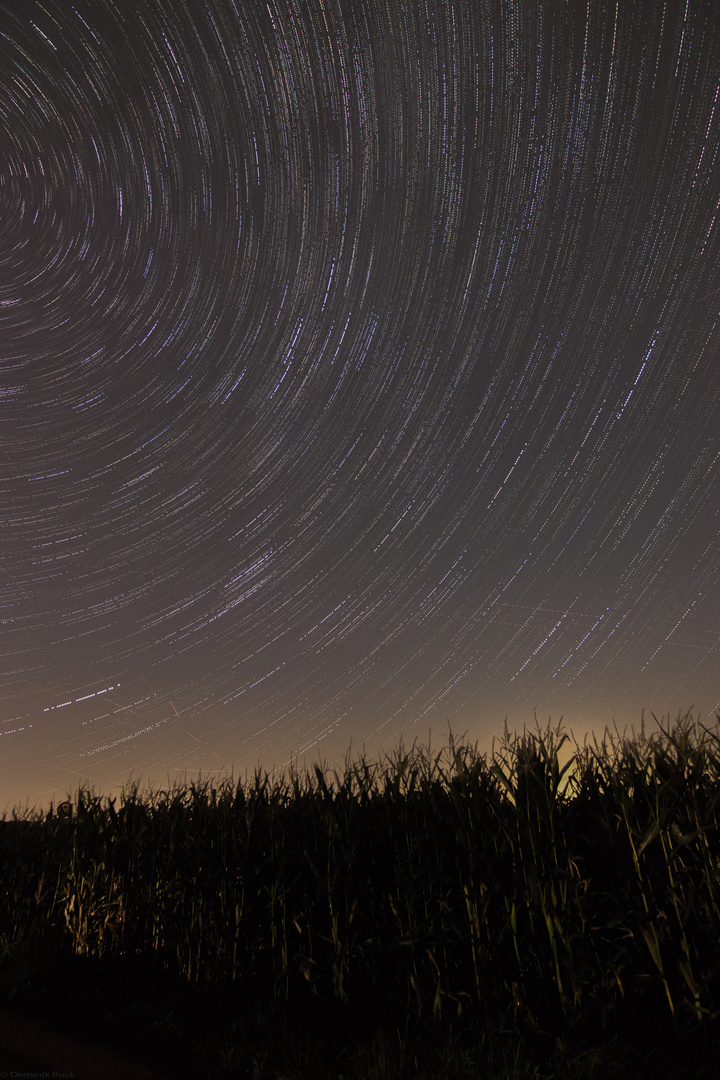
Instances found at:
x=360 y=374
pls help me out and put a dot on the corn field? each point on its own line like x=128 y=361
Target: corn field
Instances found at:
x=505 y=889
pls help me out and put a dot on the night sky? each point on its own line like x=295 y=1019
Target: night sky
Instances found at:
x=360 y=374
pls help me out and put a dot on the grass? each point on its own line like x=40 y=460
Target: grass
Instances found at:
x=448 y=914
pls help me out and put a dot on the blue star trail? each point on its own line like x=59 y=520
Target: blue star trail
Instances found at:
x=360 y=374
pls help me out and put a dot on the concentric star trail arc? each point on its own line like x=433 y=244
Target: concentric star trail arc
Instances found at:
x=360 y=374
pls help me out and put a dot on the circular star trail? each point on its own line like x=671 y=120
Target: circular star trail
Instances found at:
x=360 y=373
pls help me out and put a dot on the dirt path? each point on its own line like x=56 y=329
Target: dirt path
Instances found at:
x=28 y=1047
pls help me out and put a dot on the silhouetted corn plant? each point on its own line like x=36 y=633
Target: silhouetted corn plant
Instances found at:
x=506 y=888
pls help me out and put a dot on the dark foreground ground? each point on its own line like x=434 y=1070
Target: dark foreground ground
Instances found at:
x=95 y=1032
x=30 y=1047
